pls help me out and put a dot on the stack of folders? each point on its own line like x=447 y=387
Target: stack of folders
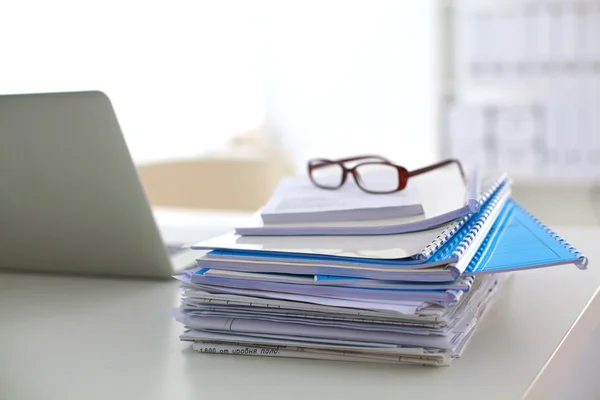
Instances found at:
x=405 y=290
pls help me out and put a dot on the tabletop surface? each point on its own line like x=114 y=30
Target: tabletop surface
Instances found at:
x=69 y=337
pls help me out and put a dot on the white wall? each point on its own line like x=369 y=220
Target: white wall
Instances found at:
x=350 y=77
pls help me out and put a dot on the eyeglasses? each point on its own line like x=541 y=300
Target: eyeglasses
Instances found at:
x=373 y=174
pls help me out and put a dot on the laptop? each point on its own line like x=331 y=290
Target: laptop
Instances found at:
x=70 y=197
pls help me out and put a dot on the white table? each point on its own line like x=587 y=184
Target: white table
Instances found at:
x=65 y=337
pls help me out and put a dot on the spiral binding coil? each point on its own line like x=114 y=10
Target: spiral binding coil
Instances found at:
x=481 y=219
x=503 y=178
x=447 y=233
x=583 y=261
x=442 y=238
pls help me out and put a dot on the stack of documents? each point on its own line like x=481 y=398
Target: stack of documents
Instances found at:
x=413 y=295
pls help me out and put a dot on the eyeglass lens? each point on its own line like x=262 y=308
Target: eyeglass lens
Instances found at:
x=378 y=177
x=327 y=174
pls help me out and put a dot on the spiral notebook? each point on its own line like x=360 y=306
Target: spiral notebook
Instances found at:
x=446 y=247
x=444 y=196
x=412 y=248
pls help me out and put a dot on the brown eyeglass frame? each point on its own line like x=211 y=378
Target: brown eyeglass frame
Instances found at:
x=403 y=173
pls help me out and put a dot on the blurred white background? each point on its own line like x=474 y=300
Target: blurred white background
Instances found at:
x=512 y=85
x=183 y=76
x=354 y=77
x=186 y=76
x=524 y=87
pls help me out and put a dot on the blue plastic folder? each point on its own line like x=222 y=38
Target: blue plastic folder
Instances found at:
x=518 y=240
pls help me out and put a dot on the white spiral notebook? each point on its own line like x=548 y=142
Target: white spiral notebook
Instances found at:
x=399 y=249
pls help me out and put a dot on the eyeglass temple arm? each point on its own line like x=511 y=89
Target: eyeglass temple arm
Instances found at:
x=323 y=163
x=438 y=165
